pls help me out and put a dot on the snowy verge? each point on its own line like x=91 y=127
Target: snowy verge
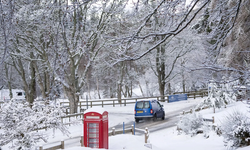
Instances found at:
x=171 y=140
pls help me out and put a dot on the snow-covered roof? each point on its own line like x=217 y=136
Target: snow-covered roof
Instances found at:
x=99 y=110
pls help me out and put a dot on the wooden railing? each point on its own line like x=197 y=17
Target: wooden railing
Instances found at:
x=84 y=104
x=77 y=115
x=58 y=146
x=114 y=102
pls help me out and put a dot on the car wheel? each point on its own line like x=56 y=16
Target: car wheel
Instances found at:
x=137 y=120
x=163 y=117
x=154 y=118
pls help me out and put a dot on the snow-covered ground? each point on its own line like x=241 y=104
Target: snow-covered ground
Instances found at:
x=170 y=139
x=160 y=140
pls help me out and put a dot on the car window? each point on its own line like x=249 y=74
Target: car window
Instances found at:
x=159 y=104
x=146 y=104
x=141 y=105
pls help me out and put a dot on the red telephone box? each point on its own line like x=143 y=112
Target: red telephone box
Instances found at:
x=95 y=128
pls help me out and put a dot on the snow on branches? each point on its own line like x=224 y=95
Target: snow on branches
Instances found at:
x=217 y=97
x=21 y=124
x=236 y=130
x=192 y=124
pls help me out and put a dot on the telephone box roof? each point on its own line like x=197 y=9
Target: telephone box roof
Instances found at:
x=99 y=110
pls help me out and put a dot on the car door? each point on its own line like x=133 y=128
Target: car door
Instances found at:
x=160 y=111
x=142 y=108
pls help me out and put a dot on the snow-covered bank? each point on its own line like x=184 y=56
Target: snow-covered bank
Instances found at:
x=171 y=140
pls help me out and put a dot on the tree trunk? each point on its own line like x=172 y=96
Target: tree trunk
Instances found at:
x=97 y=88
x=141 y=89
x=183 y=83
x=119 y=93
x=160 y=68
x=29 y=88
x=9 y=81
x=32 y=87
x=40 y=81
x=183 y=86
x=119 y=84
x=73 y=99
x=162 y=89
x=169 y=88
x=47 y=83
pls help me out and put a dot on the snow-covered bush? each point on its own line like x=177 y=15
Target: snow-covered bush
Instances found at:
x=20 y=124
x=192 y=124
x=236 y=130
x=217 y=99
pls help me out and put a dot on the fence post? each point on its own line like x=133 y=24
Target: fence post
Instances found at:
x=132 y=129
x=62 y=144
x=91 y=104
x=69 y=121
x=81 y=141
x=113 y=103
x=213 y=119
x=146 y=135
x=40 y=148
x=102 y=103
x=123 y=128
x=124 y=102
x=194 y=95
x=113 y=131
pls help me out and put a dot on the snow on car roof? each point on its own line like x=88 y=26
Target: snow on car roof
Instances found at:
x=147 y=100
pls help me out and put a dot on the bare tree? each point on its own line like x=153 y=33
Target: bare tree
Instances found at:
x=6 y=27
x=224 y=23
x=178 y=17
x=79 y=37
x=221 y=17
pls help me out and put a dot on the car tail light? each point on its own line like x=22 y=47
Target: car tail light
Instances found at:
x=151 y=111
x=134 y=112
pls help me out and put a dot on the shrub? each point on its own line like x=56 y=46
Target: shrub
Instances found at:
x=217 y=99
x=236 y=130
x=192 y=124
x=20 y=123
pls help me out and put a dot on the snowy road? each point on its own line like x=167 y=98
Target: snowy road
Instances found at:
x=171 y=119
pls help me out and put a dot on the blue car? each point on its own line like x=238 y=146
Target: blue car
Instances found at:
x=149 y=109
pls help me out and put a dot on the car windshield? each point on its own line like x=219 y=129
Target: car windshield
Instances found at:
x=141 y=105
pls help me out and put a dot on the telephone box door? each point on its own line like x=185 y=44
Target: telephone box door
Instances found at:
x=93 y=137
